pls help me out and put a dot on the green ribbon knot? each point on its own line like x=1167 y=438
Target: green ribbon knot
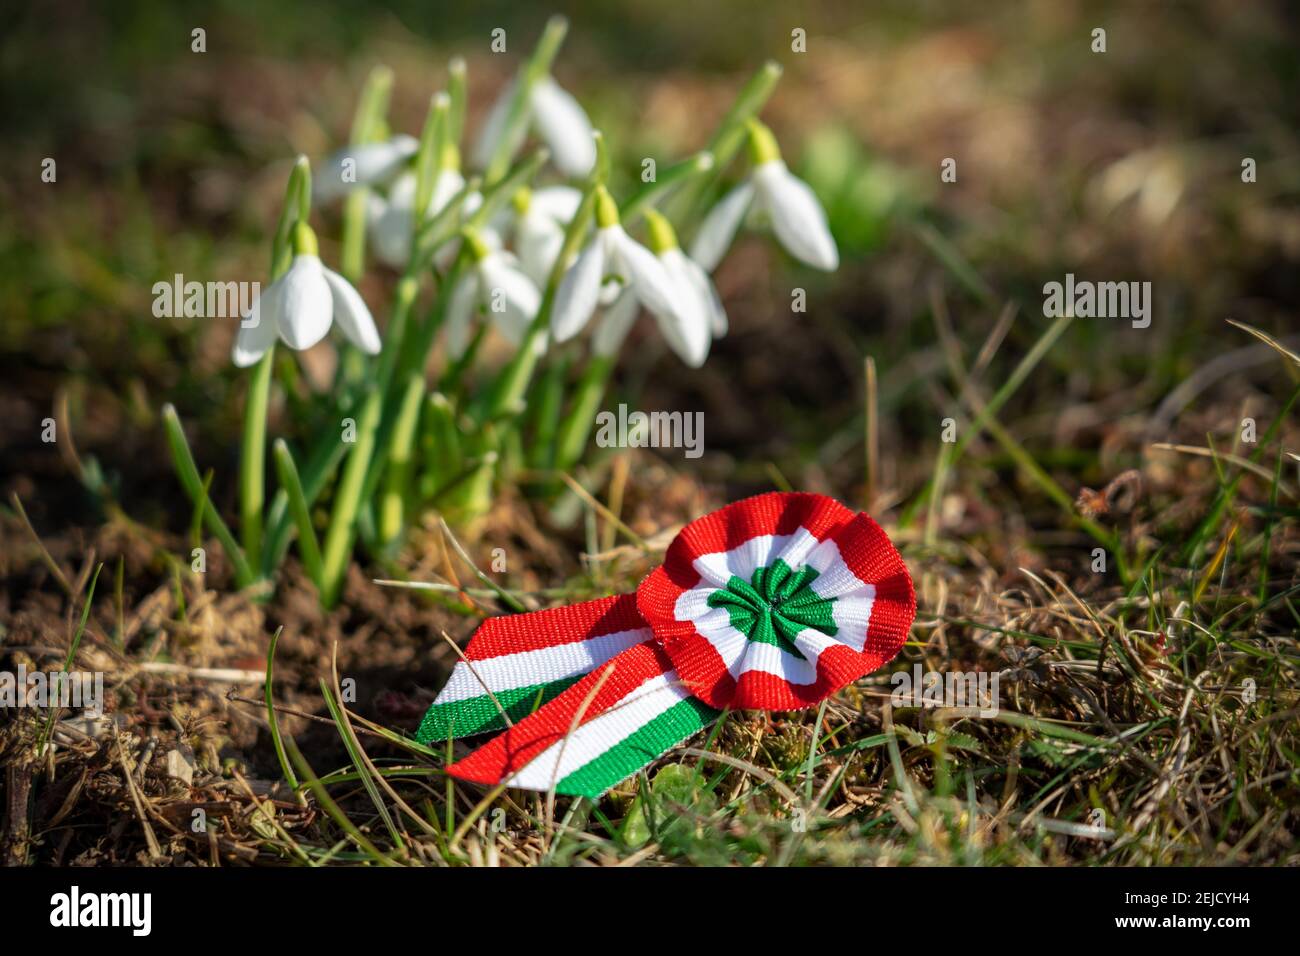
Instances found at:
x=775 y=605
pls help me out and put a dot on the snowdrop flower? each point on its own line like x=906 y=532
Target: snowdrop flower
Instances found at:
x=538 y=218
x=392 y=219
x=611 y=252
x=301 y=304
x=688 y=329
x=559 y=120
x=497 y=285
x=364 y=164
x=773 y=192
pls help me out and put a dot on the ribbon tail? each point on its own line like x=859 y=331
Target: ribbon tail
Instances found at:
x=597 y=733
x=515 y=663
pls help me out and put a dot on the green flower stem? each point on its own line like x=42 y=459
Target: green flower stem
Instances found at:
x=453 y=376
x=188 y=473
x=440 y=448
x=352 y=243
x=413 y=356
x=500 y=193
x=347 y=500
x=730 y=136
x=457 y=89
x=512 y=383
x=416 y=349
x=438 y=230
x=252 y=458
x=677 y=174
x=295 y=208
x=434 y=139
x=308 y=547
x=535 y=69
x=415 y=345
x=575 y=429
x=294 y=211
x=397 y=474
x=367 y=123
x=546 y=415
x=408 y=288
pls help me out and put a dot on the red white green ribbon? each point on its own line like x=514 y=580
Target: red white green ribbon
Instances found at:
x=774 y=603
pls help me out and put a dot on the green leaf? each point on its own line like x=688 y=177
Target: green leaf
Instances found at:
x=347 y=501
x=188 y=473
x=308 y=547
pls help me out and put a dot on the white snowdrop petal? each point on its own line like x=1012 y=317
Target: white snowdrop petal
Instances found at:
x=494 y=126
x=492 y=239
x=708 y=293
x=352 y=314
x=575 y=300
x=472 y=203
x=563 y=125
x=252 y=340
x=539 y=241
x=719 y=227
x=375 y=206
x=367 y=164
x=798 y=219
x=390 y=235
x=445 y=187
x=506 y=285
x=559 y=203
x=644 y=272
x=402 y=192
x=460 y=312
x=614 y=325
x=394 y=222
x=307 y=306
x=686 y=328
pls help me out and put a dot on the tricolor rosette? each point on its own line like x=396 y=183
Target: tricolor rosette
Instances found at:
x=773 y=603
x=778 y=601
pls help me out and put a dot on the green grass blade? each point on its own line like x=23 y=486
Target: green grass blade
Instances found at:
x=188 y=473
x=347 y=501
x=272 y=721
x=72 y=655
x=308 y=546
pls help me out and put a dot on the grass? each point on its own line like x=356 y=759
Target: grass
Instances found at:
x=1147 y=721
x=1148 y=712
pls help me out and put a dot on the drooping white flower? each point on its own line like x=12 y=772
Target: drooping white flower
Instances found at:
x=558 y=119
x=773 y=193
x=688 y=329
x=391 y=218
x=363 y=164
x=536 y=220
x=611 y=253
x=301 y=305
x=496 y=284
